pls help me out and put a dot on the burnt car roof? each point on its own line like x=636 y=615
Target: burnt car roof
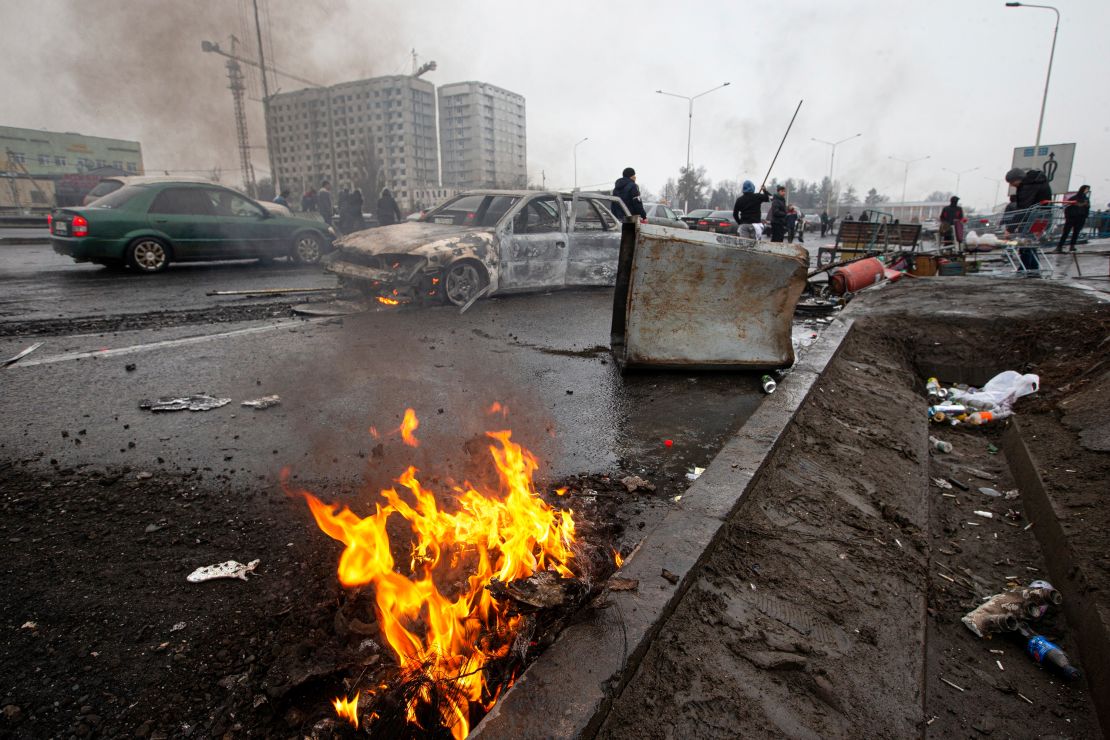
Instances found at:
x=526 y=193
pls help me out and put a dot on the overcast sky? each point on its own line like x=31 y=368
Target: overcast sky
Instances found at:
x=959 y=81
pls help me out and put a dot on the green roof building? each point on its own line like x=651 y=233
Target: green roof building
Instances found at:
x=53 y=154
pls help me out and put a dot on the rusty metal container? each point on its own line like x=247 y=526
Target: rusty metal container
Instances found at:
x=694 y=299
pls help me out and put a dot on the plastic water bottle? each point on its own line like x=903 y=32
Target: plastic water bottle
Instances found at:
x=940 y=445
x=1048 y=654
x=986 y=417
x=948 y=409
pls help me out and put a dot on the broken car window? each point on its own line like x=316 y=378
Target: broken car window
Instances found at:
x=497 y=207
x=586 y=217
x=462 y=211
x=540 y=216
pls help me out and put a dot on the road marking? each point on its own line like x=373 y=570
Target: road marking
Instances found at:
x=184 y=341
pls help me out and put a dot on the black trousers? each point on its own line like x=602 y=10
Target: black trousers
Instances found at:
x=1075 y=228
x=778 y=231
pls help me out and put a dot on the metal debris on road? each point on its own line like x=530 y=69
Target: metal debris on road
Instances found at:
x=263 y=403
x=200 y=402
x=228 y=569
x=271 y=291
x=16 y=358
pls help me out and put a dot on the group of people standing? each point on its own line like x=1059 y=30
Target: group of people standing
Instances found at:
x=350 y=205
x=785 y=221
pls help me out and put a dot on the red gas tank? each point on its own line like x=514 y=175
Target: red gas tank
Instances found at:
x=856 y=276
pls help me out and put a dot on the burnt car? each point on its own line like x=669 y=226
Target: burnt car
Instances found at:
x=485 y=242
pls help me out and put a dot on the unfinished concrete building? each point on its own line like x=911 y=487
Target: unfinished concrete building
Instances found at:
x=482 y=136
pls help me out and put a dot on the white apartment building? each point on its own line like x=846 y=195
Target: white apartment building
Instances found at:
x=482 y=136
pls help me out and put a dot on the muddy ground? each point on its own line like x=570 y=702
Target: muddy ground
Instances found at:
x=823 y=612
x=832 y=607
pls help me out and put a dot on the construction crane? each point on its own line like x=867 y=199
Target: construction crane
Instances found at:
x=425 y=67
x=214 y=48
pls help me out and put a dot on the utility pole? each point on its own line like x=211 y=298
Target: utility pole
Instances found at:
x=906 y=175
x=690 y=128
x=265 y=100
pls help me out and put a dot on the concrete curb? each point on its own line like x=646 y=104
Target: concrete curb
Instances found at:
x=1067 y=575
x=12 y=241
x=569 y=690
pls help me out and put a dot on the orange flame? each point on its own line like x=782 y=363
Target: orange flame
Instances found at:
x=408 y=426
x=617 y=558
x=348 y=710
x=508 y=534
x=388 y=301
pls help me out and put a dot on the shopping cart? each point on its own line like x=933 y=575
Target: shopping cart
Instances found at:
x=1029 y=226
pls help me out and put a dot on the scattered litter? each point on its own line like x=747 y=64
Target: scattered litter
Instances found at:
x=668 y=443
x=130 y=367
x=1024 y=698
x=177 y=627
x=228 y=569
x=1027 y=527
x=152 y=528
x=999 y=393
x=1006 y=611
x=670 y=577
x=200 y=402
x=16 y=358
x=989 y=492
x=999 y=664
x=956 y=687
x=942 y=483
x=623 y=584
x=940 y=445
x=144 y=475
x=958 y=483
x=677 y=498
x=984 y=514
x=29 y=626
x=263 y=403
x=998 y=652
x=695 y=473
x=768 y=384
x=980 y=473
x=635 y=483
x=1011 y=494
x=991 y=449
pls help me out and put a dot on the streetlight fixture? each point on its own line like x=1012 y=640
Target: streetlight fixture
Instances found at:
x=832 y=158
x=690 y=124
x=585 y=138
x=1051 y=54
x=960 y=174
x=906 y=176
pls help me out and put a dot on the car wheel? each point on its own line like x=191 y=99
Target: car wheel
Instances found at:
x=307 y=249
x=148 y=255
x=462 y=281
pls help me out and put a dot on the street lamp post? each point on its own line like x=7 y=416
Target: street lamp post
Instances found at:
x=585 y=138
x=1051 y=54
x=832 y=158
x=906 y=176
x=958 y=175
x=690 y=125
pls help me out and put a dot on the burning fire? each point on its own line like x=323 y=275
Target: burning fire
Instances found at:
x=408 y=426
x=451 y=635
x=348 y=710
x=388 y=301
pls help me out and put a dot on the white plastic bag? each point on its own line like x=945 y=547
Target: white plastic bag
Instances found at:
x=999 y=393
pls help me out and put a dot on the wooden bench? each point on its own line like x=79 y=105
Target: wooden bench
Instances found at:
x=863 y=238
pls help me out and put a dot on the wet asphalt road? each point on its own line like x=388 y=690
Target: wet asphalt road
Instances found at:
x=545 y=356
x=37 y=284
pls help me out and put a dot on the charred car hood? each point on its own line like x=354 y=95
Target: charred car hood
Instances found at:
x=415 y=238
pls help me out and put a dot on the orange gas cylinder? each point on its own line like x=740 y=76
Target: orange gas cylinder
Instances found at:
x=856 y=276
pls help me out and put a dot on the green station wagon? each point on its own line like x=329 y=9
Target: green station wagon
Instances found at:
x=148 y=226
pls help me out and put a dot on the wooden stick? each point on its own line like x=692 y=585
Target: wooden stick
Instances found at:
x=781 y=143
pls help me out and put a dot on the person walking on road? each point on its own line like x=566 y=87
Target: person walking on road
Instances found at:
x=323 y=202
x=357 y=222
x=791 y=223
x=308 y=201
x=629 y=192
x=824 y=222
x=283 y=198
x=388 y=211
x=1075 y=215
x=778 y=214
x=746 y=210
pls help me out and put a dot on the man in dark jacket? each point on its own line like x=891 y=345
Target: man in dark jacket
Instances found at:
x=629 y=192
x=1032 y=189
x=778 y=214
x=1075 y=216
x=746 y=211
x=951 y=216
x=323 y=202
x=388 y=212
x=824 y=222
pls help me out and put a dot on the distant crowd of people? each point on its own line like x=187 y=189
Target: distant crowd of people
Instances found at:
x=346 y=214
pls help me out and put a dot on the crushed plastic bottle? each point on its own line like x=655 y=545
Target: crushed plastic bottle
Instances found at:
x=940 y=445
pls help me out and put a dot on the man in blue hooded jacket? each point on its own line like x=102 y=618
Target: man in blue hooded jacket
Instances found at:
x=746 y=211
x=628 y=191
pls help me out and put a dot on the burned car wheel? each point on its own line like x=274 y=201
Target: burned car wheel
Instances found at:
x=148 y=255
x=307 y=249
x=462 y=281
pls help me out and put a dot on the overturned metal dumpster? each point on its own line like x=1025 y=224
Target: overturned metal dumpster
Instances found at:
x=694 y=299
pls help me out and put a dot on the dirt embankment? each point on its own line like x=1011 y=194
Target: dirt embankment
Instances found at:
x=831 y=608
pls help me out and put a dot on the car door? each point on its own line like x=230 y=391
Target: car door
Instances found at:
x=595 y=240
x=185 y=215
x=246 y=230
x=534 y=247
